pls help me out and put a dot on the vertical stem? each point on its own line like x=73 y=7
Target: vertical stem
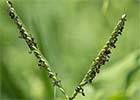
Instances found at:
x=55 y=91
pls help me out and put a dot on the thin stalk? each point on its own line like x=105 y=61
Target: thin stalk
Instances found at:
x=101 y=58
x=55 y=91
x=42 y=62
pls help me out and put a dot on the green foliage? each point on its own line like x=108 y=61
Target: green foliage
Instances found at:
x=69 y=33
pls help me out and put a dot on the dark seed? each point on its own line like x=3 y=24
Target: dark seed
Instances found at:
x=107 y=52
x=83 y=94
x=97 y=70
x=50 y=75
x=39 y=64
x=10 y=2
x=119 y=33
x=121 y=29
x=77 y=89
x=11 y=14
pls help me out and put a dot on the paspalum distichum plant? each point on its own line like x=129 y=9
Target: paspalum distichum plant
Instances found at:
x=101 y=59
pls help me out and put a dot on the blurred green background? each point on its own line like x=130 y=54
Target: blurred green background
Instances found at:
x=70 y=33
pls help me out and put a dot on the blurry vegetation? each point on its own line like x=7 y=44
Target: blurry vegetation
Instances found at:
x=70 y=33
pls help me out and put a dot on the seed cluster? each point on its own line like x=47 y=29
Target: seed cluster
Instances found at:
x=42 y=62
x=29 y=40
x=102 y=57
x=100 y=60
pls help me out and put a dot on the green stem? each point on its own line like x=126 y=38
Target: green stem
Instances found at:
x=42 y=62
x=101 y=58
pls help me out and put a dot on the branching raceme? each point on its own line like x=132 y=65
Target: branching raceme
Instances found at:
x=42 y=62
x=100 y=60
